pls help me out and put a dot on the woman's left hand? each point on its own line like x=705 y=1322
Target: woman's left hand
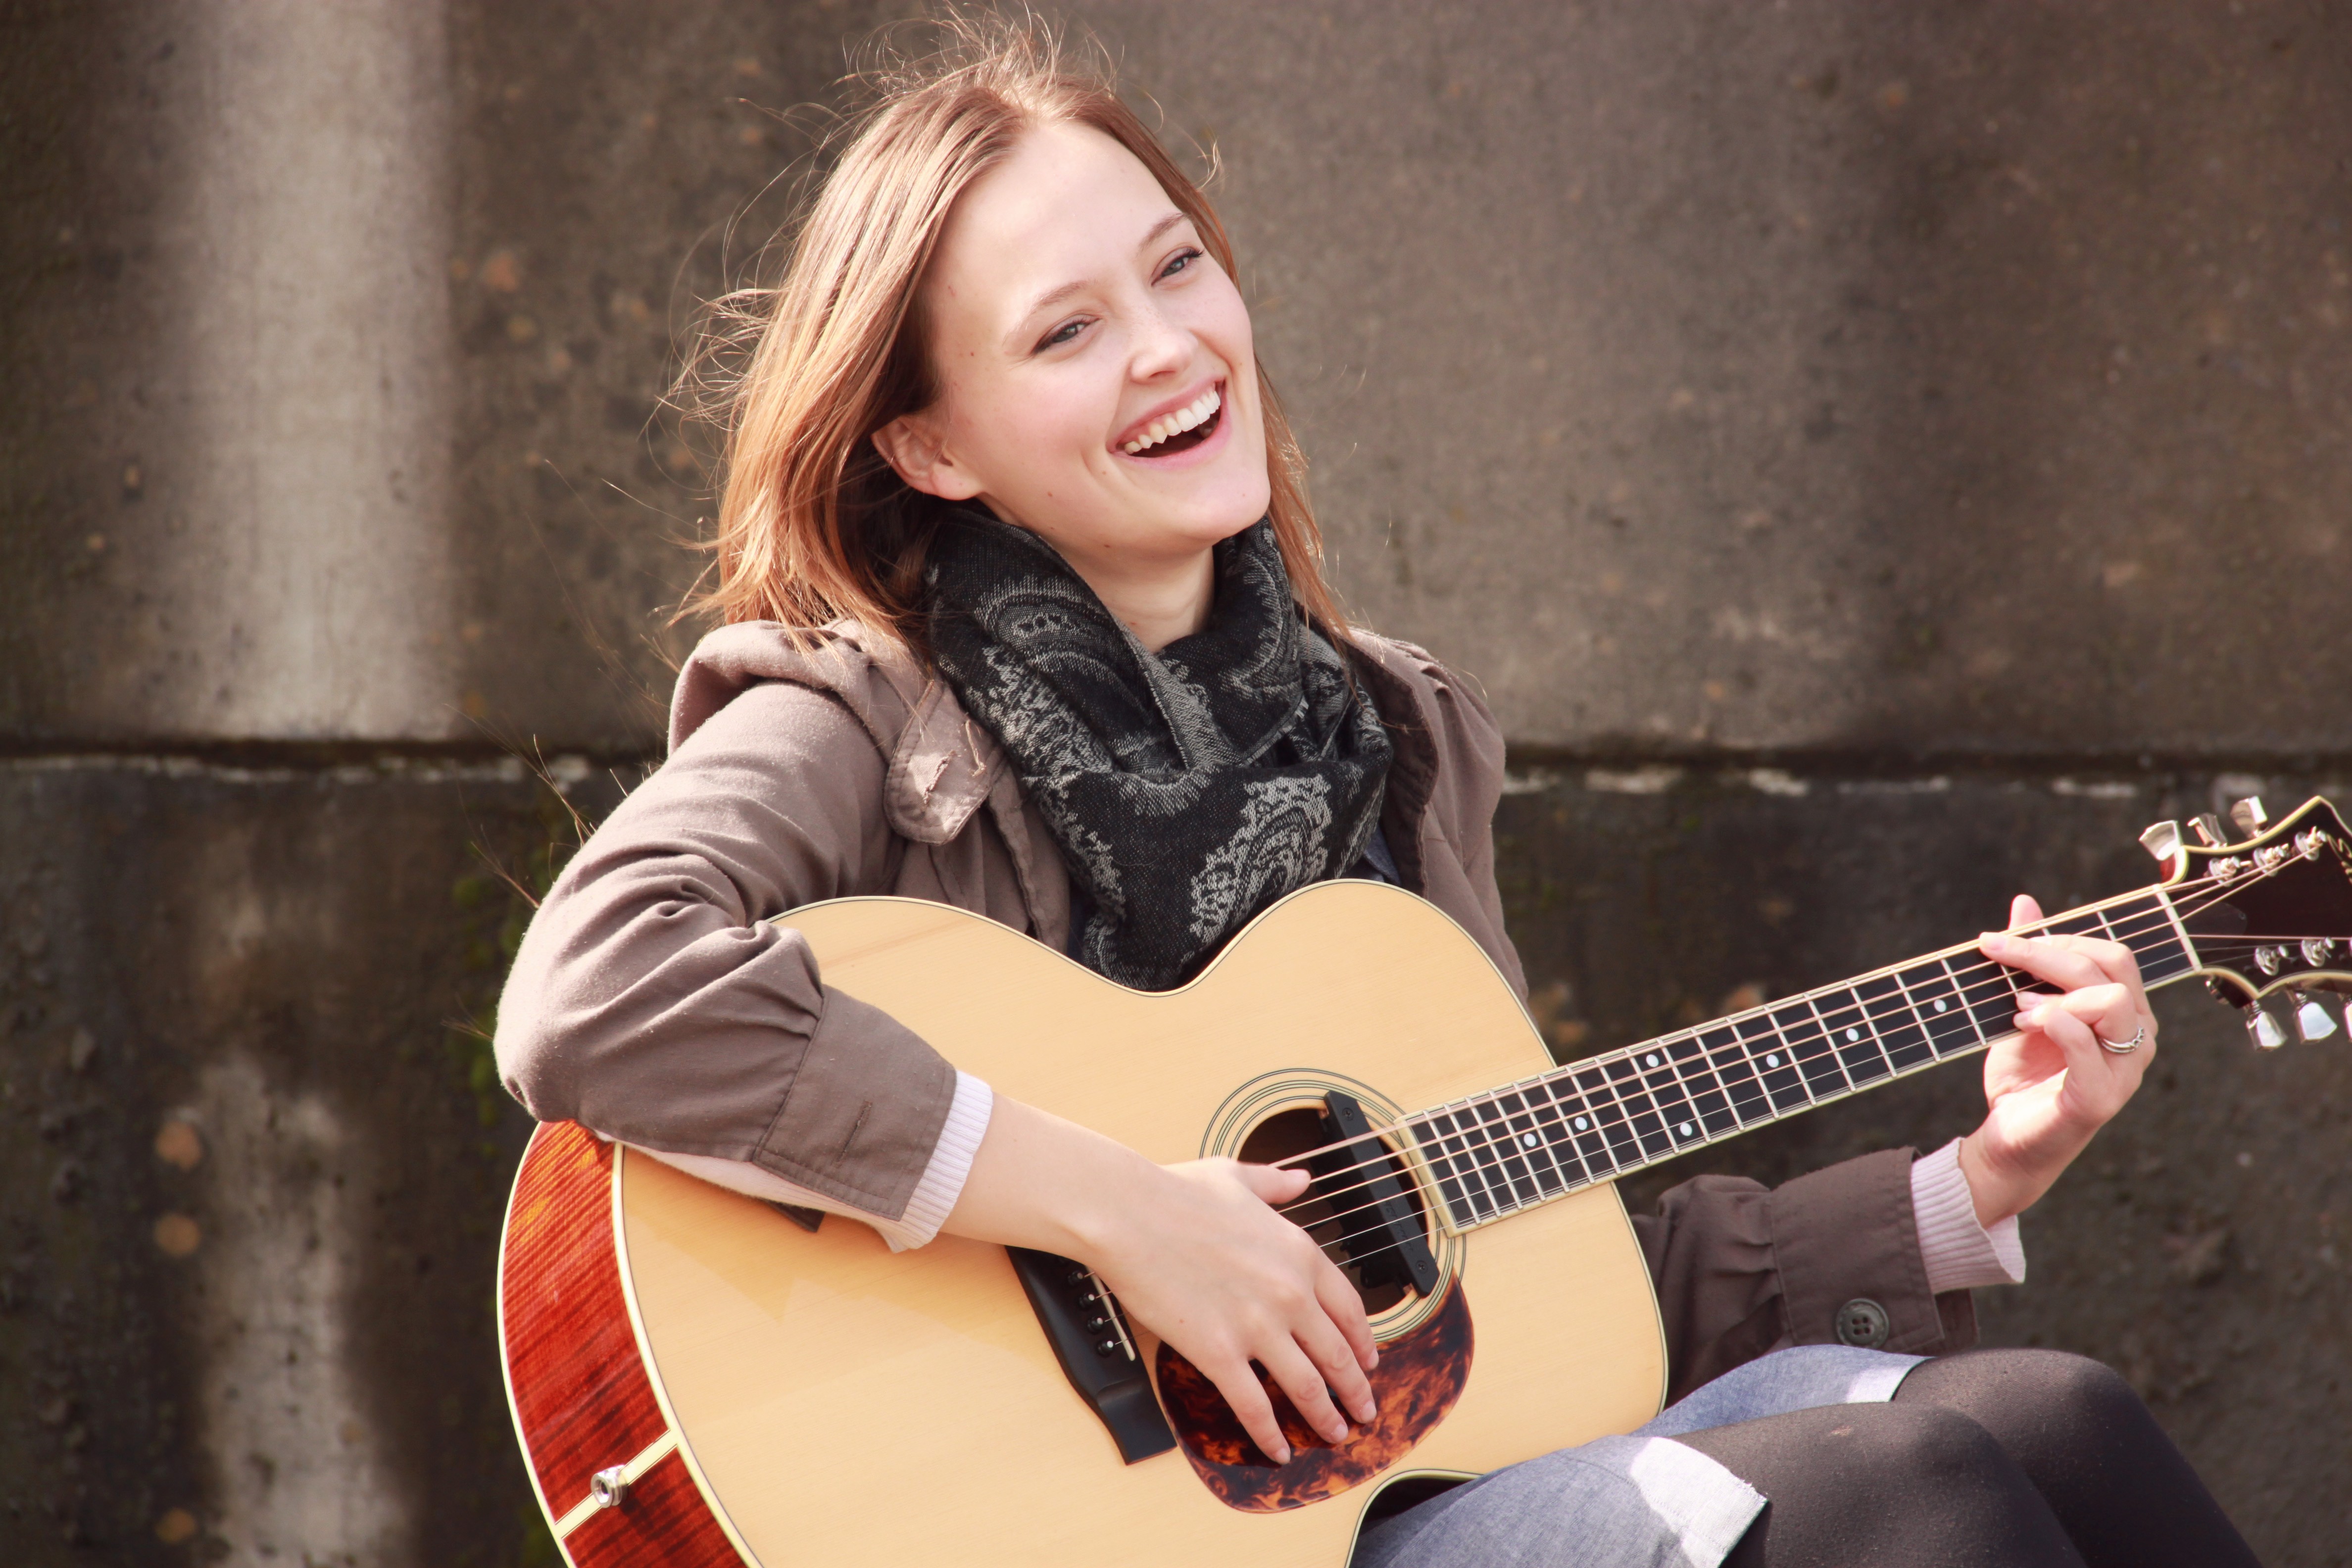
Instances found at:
x=2051 y=1085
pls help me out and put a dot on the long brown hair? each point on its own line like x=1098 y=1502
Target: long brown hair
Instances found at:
x=814 y=526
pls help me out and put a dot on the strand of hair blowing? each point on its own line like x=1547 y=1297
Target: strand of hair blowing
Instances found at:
x=813 y=525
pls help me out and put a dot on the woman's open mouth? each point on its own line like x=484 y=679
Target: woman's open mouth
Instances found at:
x=1182 y=430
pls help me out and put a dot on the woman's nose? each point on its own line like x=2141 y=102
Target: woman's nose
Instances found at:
x=1161 y=348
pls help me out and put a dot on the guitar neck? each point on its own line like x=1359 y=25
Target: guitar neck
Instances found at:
x=1516 y=1147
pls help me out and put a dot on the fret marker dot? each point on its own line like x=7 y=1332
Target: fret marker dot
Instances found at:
x=1684 y=1129
x=1651 y=1061
x=1773 y=1060
x=1581 y=1125
x=1528 y=1139
x=1853 y=1034
x=1941 y=1005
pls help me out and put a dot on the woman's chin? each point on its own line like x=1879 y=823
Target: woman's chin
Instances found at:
x=1207 y=520
x=1208 y=503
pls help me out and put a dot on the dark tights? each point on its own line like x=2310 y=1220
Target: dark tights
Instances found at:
x=2020 y=1459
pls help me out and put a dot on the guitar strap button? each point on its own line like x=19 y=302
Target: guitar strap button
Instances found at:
x=1862 y=1323
x=610 y=1486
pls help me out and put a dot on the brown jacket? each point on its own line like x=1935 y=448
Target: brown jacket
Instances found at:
x=651 y=1001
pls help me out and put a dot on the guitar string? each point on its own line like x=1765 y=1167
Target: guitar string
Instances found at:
x=1516 y=1204
x=1613 y=1121
x=2156 y=919
x=1966 y=982
x=1466 y=1149
x=1513 y=1202
x=1984 y=966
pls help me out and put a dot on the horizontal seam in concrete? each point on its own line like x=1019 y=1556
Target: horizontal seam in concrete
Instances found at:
x=389 y=769
x=1913 y=764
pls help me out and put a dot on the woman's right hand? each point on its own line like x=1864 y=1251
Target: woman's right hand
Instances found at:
x=1196 y=1253
x=1208 y=1264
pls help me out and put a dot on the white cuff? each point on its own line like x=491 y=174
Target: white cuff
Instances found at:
x=950 y=1165
x=1961 y=1254
x=927 y=1208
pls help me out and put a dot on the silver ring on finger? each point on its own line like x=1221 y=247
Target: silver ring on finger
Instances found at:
x=2122 y=1048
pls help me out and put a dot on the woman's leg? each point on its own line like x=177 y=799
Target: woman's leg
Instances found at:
x=1889 y=1486
x=2123 y=1491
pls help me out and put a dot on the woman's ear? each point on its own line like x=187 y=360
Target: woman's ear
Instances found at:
x=914 y=446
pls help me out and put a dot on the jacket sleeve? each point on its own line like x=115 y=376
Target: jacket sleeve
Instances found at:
x=1741 y=1269
x=652 y=1002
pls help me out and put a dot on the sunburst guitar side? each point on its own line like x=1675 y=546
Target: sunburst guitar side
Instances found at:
x=814 y=1398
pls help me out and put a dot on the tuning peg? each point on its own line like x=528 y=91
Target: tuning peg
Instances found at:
x=2248 y=815
x=2311 y=1020
x=2209 y=828
x=2162 y=840
x=2262 y=1030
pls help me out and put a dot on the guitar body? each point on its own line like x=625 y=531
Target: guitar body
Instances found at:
x=786 y=1397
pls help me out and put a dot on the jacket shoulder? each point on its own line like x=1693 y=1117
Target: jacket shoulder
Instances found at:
x=941 y=766
x=1450 y=702
x=876 y=679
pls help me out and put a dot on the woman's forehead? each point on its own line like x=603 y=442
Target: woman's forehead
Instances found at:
x=1069 y=207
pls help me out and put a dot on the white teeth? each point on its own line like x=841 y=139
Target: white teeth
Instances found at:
x=1188 y=417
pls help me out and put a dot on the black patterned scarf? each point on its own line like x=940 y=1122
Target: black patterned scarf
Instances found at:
x=1187 y=789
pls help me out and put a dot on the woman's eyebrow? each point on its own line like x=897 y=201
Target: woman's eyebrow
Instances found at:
x=1053 y=297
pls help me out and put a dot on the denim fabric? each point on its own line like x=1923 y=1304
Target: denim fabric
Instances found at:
x=1637 y=1501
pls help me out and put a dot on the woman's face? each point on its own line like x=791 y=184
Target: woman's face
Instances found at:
x=1075 y=316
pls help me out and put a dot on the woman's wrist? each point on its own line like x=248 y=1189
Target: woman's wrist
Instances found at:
x=1042 y=1181
x=2000 y=1187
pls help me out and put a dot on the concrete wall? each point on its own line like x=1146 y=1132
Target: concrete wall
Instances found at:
x=1937 y=407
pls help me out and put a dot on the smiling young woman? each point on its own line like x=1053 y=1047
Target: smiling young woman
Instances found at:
x=813 y=525
x=1025 y=614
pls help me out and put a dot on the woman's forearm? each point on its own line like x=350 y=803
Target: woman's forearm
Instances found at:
x=1042 y=1181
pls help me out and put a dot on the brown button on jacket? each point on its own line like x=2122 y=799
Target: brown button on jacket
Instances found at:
x=651 y=1001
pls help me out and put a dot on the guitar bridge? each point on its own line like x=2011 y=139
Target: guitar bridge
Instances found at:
x=1090 y=1338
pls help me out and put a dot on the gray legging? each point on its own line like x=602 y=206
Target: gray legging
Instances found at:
x=2014 y=1458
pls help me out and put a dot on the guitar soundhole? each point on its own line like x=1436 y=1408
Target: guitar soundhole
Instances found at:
x=1333 y=1220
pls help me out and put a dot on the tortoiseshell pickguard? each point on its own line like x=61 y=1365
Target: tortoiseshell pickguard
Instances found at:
x=1420 y=1377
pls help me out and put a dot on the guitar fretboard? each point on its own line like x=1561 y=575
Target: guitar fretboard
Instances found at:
x=1607 y=1116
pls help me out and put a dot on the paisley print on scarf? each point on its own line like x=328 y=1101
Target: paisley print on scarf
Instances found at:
x=1187 y=789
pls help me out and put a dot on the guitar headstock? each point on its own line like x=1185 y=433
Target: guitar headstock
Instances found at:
x=2270 y=914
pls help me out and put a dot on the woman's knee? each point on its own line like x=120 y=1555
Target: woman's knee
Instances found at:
x=2040 y=1387
x=1863 y=1455
x=1930 y=1444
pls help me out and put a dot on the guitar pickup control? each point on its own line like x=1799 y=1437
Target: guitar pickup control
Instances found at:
x=1090 y=1338
x=1388 y=1247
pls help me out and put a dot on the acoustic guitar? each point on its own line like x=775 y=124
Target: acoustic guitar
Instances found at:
x=698 y=1378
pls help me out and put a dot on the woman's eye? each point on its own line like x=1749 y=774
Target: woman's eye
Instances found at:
x=1061 y=334
x=1179 y=261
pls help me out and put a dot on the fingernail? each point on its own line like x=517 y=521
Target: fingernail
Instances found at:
x=1368 y=1413
x=1281 y=1455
